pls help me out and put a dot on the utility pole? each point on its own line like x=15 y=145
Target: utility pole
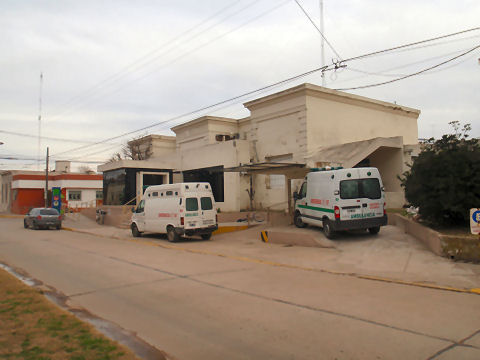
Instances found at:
x=46 y=181
x=324 y=83
x=39 y=119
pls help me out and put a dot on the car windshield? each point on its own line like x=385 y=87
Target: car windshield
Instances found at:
x=360 y=188
x=48 y=212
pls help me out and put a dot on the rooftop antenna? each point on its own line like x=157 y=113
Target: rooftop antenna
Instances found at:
x=39 y=120
x=324 y=82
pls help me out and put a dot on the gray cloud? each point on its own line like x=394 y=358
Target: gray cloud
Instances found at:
x=79 y=44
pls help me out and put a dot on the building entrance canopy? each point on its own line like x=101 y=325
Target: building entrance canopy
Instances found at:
x=290 y=170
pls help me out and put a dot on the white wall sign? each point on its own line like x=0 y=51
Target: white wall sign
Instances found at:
x=475 y=221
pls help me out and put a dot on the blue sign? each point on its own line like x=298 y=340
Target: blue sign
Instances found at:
x=57 y=198
x=476 y=216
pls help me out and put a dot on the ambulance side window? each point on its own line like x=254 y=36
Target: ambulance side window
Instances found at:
x=140 y=207
x=303 y=191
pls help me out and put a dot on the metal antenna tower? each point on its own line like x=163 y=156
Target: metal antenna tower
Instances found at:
x=324 y=83
x=39 y=120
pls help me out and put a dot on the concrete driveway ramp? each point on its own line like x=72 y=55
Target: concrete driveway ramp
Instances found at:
x=296 y=237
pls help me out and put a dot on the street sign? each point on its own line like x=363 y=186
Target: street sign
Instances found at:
x=57 y=198
x=475 y=221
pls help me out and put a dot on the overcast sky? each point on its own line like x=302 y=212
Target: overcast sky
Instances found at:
x=111 y=67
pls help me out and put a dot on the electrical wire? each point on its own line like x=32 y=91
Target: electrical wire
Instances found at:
x=144 y=60
x=319 y=31
x=410 y=44
x=410 y=75
x=202 y=109
x=46 y=137
x=383 y=72
x=324 y=68
x=174 y=60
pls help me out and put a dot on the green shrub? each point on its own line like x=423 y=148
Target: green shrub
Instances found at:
x=444 y=181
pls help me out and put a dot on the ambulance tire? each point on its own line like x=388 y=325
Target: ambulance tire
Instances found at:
x=135 y=231
x=327 y=229
x=374 y=230
x=172 y=236
x=206 y=236
x=297 y=220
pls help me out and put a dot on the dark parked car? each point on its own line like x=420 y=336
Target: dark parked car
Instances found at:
x=38 y=218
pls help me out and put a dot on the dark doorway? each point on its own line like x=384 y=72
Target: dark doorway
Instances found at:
x=212 y=175
x=151 y=179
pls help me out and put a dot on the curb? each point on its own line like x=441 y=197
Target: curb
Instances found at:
x=11 y=216
x=473 y=291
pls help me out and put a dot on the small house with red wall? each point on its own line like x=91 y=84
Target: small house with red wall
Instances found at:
x=23 y=190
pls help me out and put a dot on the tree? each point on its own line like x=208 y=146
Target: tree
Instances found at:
x=84 y=169
x=443 y=182
x=139 y=148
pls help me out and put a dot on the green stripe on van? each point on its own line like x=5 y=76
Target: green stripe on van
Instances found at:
x=316 y=208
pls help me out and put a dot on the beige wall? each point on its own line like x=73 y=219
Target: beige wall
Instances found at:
x=333 y=122
x=296 y=121
x=278 y=129
x=162 y=147
x=202 y=131
x=228 y=153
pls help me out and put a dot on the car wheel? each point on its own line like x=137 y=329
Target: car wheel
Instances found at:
x=327 y=229
x=206 y=236
x=374 y=230
x=25 y=225
x=172 y=236
x=135 y=231
x=297 y=220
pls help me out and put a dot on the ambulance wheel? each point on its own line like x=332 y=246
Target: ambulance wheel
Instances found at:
x=206 y=236
x=135 y=231
x=172 y=236
x=374 y=230
x=327 y=229
x=297 y=220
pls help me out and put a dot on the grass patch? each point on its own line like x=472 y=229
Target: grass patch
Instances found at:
x=34 y=328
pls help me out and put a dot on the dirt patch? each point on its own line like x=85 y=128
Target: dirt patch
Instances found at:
x=34 y=328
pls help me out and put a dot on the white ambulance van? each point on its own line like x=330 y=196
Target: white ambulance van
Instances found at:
x=338 y=199
x=176 y=210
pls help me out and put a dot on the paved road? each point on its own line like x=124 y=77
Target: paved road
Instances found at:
x=197 y=306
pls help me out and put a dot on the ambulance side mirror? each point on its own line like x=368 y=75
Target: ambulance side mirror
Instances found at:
x=336 y=192
x=383 y=189
x=295 y=195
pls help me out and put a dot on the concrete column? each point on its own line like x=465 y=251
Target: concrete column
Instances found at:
x=288 y=189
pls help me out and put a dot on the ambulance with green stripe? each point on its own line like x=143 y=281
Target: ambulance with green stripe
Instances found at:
x=176 y=210
x=338 y=199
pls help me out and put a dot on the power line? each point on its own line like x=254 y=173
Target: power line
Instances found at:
x=43 y=161
x=411 y=44
x=46 y=137
x=383 y=72
x=115 y=90
x=413 y=74
x=133 y=65
x=203 y=108
x=319 y=31
x=335 y=66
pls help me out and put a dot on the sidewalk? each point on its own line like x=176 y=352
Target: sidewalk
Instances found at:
x=391 y=256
